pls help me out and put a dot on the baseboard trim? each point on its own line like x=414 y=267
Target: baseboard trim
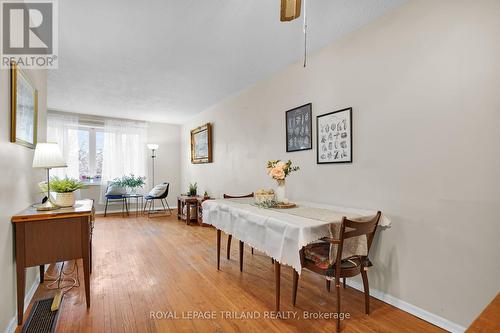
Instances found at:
x=132 y=211
x=11 y=328
x=410 y=308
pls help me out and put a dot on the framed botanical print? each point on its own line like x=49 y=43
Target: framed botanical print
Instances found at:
x=201 y=144
x=334 y=137
x=299 y=128
x=24 y=108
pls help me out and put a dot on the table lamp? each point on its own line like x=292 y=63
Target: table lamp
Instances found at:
x=48 y=156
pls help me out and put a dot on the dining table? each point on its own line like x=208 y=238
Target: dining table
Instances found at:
x=282 y=233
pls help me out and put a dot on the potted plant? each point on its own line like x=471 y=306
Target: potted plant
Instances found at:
x=192 y=189
x=62 y=190
x=132 y=182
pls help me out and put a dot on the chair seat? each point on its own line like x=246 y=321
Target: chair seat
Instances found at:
x=319 y=253
x=150 y=197
x=115 y=196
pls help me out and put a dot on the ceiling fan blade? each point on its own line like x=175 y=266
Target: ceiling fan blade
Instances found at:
x=290 y=10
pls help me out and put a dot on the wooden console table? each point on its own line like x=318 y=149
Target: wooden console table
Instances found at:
x=45 y=237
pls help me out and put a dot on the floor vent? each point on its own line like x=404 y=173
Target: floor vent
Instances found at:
x=41 y=319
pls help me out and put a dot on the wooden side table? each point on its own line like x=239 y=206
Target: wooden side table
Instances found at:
x=188 y=202
x=45 y=237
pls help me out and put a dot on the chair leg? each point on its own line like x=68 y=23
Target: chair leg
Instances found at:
x=169 y=210
x=163 y=205
x=151 y=206
x=344 y=282
x=252 y=250
x=229 y=237
x=364 y=275
x=126 y=206
x=328 y=285
x=241 y=255
x=337 y=287
x=295 y=285
x=106 y=208
x=218 y=249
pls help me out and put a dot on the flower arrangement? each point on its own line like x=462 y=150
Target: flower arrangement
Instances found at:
x=279 y=170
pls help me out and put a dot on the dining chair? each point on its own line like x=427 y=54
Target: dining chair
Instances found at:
x=315 y=257
x=229 y=237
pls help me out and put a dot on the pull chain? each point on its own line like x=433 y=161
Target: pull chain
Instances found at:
x=305 y=34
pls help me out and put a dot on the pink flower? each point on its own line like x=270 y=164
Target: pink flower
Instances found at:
x=281 y=165
x=278 y=173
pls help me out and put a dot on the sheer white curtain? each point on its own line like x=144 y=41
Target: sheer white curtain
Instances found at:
x=63 y=129
x=124 y=150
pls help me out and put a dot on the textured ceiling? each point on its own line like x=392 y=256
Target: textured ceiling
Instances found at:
x=168 y=60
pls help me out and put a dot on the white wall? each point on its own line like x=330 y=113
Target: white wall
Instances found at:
x=424 y=85
x=167 y=165
x=18 y=190
x=167 y=161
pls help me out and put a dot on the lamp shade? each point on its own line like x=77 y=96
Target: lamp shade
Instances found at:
x=48 y=155
x=152 y=146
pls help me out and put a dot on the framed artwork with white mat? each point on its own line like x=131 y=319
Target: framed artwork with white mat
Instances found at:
x=334 y=137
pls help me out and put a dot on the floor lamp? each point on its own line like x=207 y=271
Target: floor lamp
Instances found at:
x=153 y=147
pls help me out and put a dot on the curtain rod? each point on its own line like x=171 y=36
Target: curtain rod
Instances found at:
x=94 y=119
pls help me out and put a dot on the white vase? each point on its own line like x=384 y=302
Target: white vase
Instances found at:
x=281 y=191
x=64 y=199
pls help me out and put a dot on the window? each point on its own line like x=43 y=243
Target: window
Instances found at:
x=81 y=140
x=83 y=153
x=90 y=147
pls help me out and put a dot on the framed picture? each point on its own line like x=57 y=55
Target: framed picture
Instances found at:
x=201 y=144
x=24 y=108
x=334 y=137
x=299 y=128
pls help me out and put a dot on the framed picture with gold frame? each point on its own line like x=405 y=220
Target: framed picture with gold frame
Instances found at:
x=201 y=144
x=24 y=108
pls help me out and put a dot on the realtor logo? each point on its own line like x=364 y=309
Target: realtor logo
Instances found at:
x=29 y=33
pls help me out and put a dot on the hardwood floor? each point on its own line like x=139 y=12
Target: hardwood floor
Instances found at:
x=143 y=266
x=488 y=320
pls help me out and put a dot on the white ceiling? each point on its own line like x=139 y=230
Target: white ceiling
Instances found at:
x=166 y=60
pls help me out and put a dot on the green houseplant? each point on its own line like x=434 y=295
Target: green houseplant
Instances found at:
x=192 y=189
x=62 y=190
x=132 y=182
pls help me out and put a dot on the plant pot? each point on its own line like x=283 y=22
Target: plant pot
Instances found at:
x=64 y=199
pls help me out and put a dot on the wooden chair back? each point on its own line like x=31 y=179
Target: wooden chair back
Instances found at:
x=350 y=229
x=227 y=196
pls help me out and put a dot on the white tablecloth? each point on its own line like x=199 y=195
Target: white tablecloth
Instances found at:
x=281 y=234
